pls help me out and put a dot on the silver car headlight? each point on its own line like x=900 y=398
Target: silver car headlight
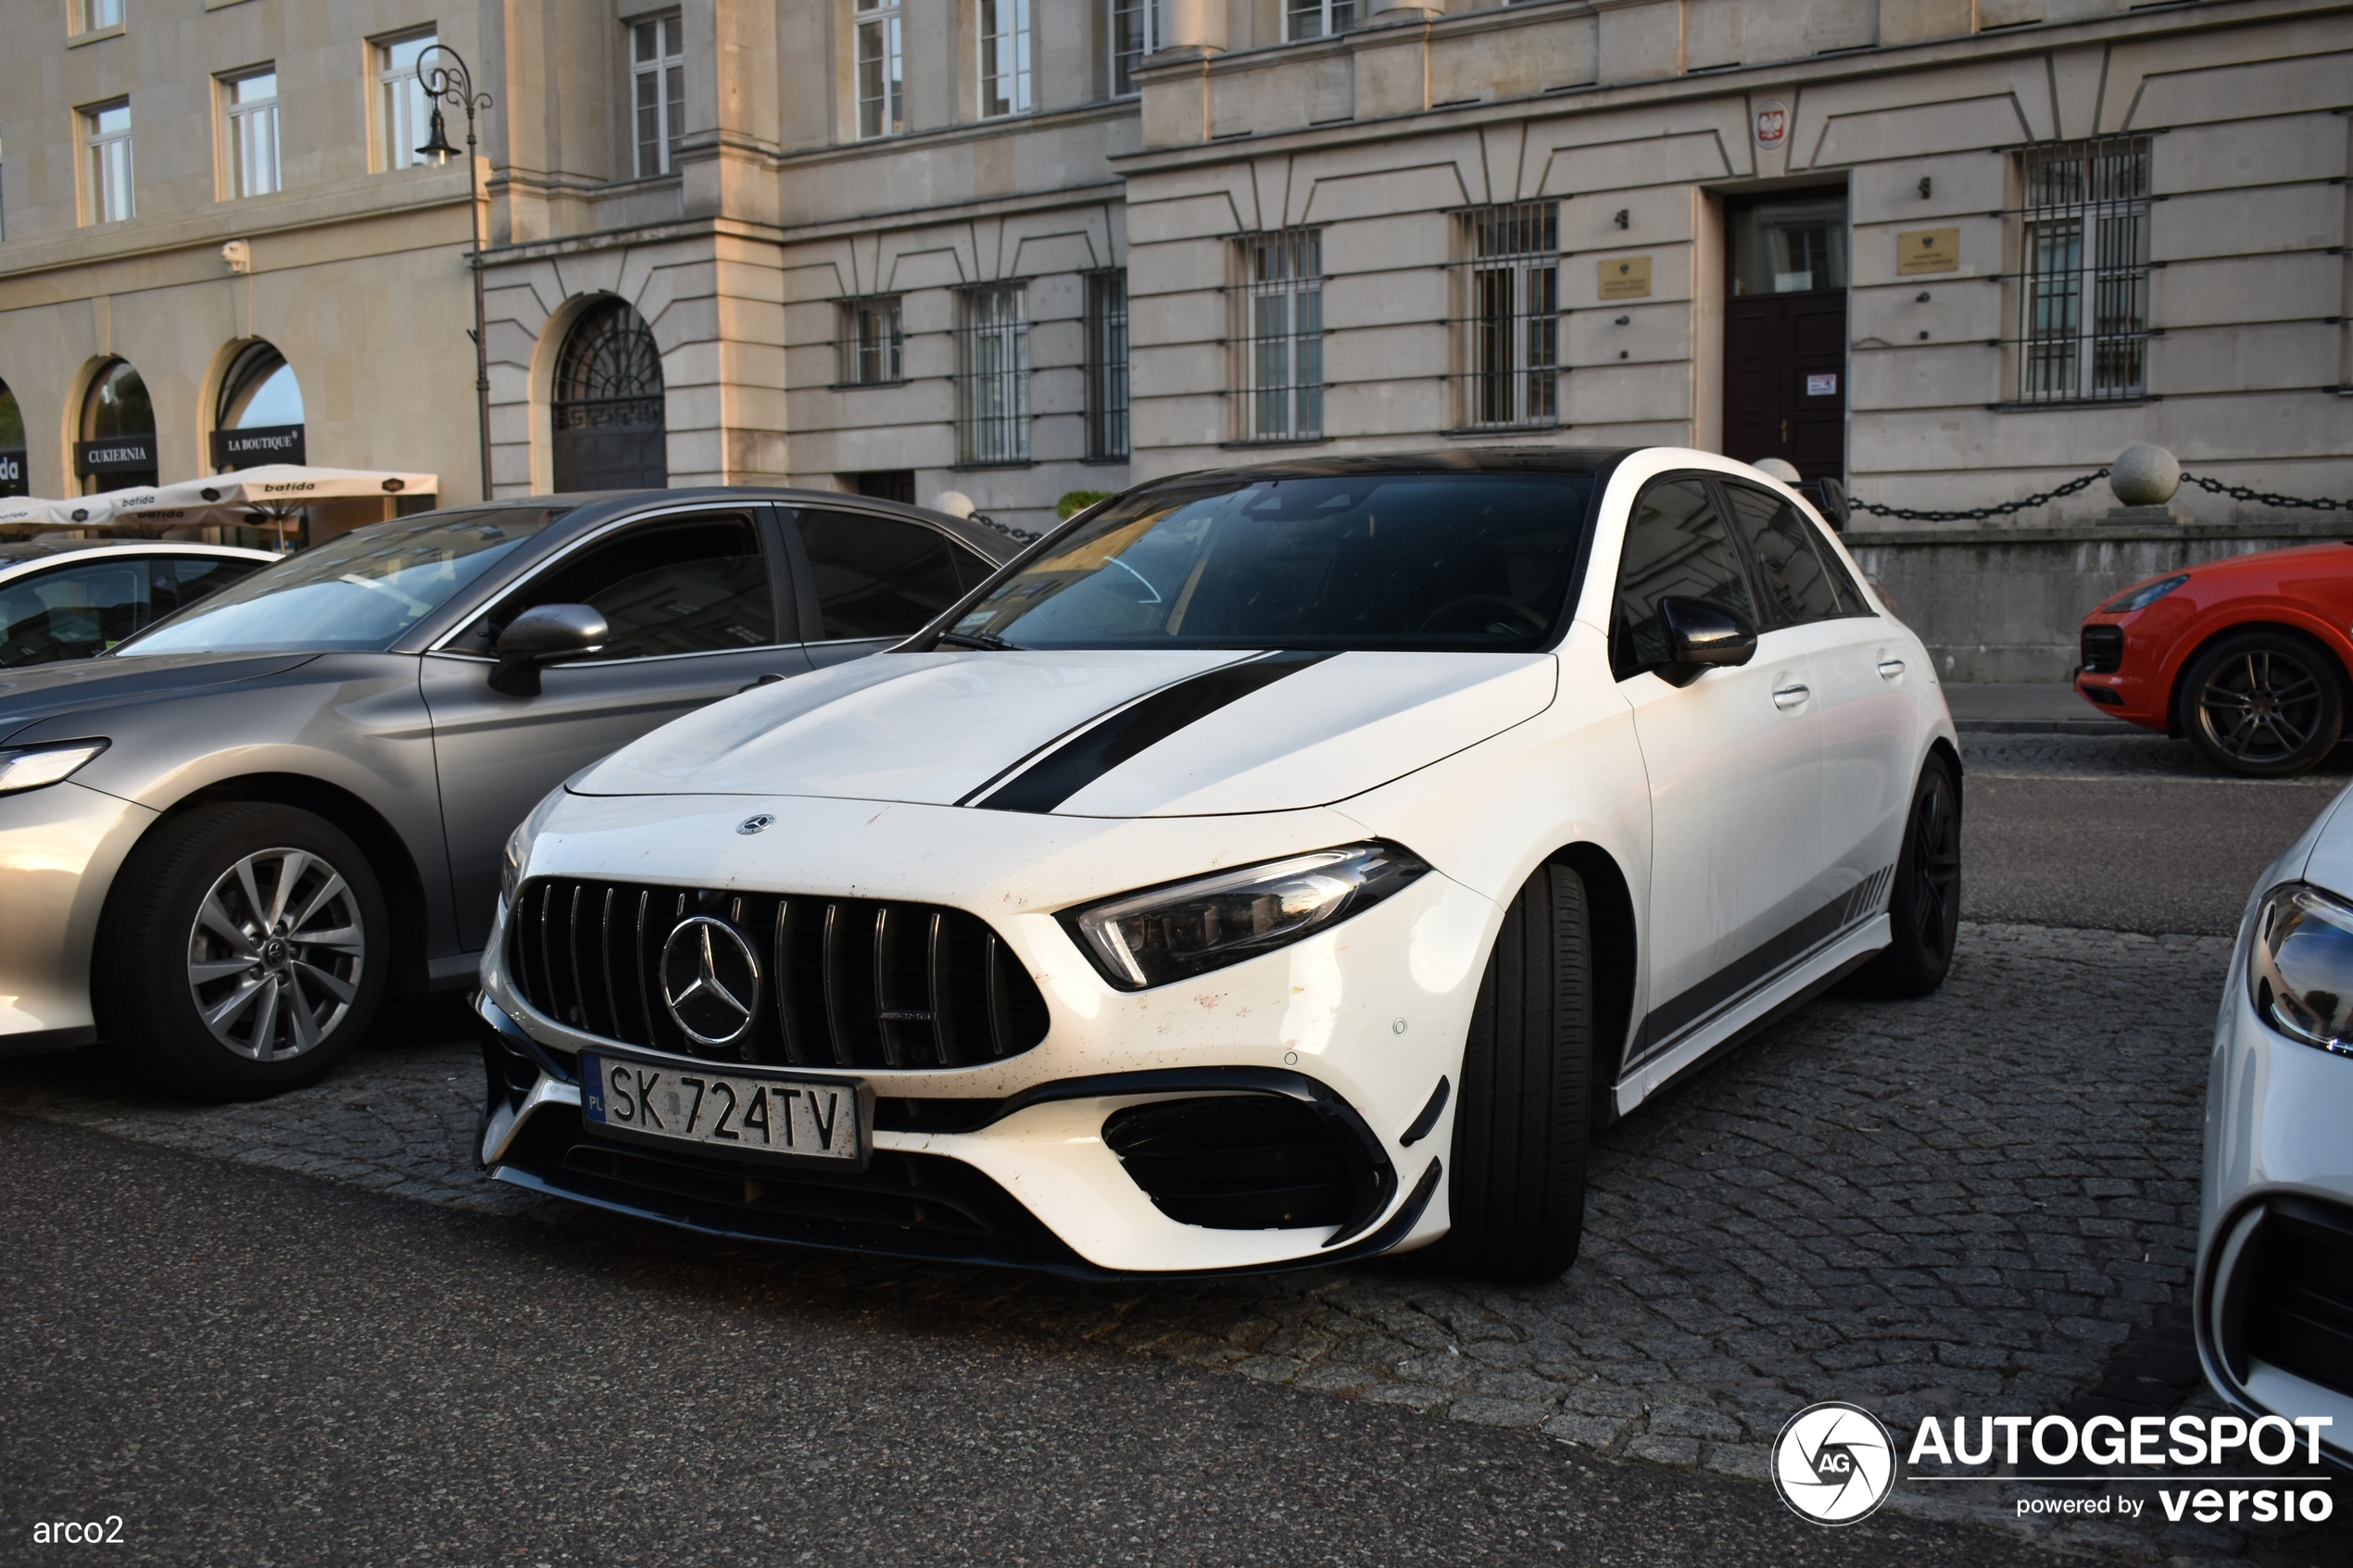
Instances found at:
x=1165 y=934
x=2299 y=966
x=510 y=865
x=30 y=767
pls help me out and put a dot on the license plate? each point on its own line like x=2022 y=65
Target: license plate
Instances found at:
x=800 y=1118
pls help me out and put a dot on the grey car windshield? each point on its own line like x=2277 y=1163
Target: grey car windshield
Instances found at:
x=1480 y=560
x=359 y=591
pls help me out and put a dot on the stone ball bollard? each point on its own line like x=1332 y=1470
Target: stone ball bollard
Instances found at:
x=955 y=503
x=2145 y=475
x=1784 y=472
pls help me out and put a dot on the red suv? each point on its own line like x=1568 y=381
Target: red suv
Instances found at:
x=2247 y=657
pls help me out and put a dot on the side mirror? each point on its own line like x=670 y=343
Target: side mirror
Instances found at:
x=1700 y=636
x=1829 y=500
x=541 y=635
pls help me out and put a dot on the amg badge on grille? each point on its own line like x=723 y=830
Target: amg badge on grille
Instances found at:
x=710 y=979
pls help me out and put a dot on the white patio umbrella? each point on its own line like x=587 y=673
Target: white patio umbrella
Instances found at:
x=271 y=494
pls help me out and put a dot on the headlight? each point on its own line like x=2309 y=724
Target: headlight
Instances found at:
x=2299 y=966
x=2143 y=597
x=1165 y=934
x=30 y=767
x=510 y=865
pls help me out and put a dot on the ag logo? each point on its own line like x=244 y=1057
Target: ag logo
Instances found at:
x=1833 y=1463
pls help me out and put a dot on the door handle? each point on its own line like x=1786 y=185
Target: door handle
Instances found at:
x=1791 y=697
x=1890 y=668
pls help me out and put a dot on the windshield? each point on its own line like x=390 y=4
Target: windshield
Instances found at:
x=359 y=591
x=1473 y=561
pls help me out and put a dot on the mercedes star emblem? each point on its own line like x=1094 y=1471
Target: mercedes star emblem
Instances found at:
x=754 y=824
x=710 y=981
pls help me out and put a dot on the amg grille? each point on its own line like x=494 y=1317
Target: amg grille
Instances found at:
x=845 y=982
x=2103 y=649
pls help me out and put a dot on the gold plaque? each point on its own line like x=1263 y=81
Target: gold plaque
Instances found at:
x=1628 y=277
x=1928 y=250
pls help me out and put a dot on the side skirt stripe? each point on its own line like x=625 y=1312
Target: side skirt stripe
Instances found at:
x=1064 y=769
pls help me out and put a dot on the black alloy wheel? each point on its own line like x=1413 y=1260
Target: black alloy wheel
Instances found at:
x=242 y=953
x=1924 y=906
x=2264 y=704
x=1516 y=1169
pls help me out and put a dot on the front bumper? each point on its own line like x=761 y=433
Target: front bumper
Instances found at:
x=2134 y=688
x=59 y=849
x=1008 y=1160
x=2274 y=1290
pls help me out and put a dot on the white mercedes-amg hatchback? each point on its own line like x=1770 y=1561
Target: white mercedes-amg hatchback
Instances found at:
x=1272 y=867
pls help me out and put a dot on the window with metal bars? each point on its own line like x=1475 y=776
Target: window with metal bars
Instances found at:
x=1507 y=316
x=1107 y=364
x=992 y=375
x=1134 y=34
x=2083 y=271
x=872 y=339
x=1278 y=335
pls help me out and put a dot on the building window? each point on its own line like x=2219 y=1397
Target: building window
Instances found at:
x=2084 y=270
x=882 y=87
x=1507 y=316
x=97 y=13
x=249 y=105
x=1280 y=337
x=404 y=115
x=1135 y=35
x=657 y=71
x=1107 y=364
x=992 y=375
x=1004 y=57
x=872 y=340
x=105 y=132
x=1317 y=18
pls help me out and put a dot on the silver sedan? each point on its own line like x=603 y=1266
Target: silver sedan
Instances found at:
x=222 y=842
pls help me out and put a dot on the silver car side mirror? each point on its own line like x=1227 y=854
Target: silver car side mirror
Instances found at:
x=541 y=635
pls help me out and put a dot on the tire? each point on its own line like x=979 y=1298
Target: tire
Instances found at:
x=2263 y=704
x=184 y=936
x=1522 y=1119
x=1924 y=906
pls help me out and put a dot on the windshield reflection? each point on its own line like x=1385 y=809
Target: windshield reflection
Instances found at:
x=360 y=592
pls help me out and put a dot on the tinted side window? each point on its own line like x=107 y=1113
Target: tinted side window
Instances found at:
x=880 y=577
x=1677 y=546
x=72 y=613
x=1790 y=569
x=181 y=581
x=696 y=586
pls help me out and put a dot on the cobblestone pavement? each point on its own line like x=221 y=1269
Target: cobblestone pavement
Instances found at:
x=1962 y=1205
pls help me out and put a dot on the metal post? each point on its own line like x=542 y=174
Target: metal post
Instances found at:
x=453 y=84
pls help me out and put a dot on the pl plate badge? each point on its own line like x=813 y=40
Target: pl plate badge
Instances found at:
x=1833 y=1463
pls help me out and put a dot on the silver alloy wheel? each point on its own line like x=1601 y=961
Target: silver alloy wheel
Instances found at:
x=275 y=956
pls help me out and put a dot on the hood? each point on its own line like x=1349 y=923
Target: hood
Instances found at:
x=1098 y=733
x=46 y=691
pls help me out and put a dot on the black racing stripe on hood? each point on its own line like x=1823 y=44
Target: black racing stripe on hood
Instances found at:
x=1088 y=755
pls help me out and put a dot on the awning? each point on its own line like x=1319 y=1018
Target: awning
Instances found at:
x=274 y=490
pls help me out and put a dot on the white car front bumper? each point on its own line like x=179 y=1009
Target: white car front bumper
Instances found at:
x=1357 y=1024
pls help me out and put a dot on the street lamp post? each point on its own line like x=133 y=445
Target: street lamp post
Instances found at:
x=449 y=81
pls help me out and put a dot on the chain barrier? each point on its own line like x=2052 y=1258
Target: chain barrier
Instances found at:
x=2028 y=503
x=1024 y=535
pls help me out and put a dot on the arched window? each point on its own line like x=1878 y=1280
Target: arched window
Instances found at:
x=12 y=479
x=118 y=448
x=258 y=418
x=608 y=404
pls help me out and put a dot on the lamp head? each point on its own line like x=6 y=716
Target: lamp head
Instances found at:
x=438 y=145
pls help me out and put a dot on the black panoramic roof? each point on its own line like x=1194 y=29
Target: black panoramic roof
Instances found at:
x=1467 y=459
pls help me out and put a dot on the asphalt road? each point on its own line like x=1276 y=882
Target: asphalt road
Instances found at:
x=251 y=1367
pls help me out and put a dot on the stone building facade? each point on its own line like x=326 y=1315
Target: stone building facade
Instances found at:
x=1952 y=251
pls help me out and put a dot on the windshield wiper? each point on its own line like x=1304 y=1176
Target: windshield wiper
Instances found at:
x=990 y=640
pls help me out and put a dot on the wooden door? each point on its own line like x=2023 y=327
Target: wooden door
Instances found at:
x=1785 y=380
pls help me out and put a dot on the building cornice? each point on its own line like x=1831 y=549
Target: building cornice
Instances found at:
x=1857 y=65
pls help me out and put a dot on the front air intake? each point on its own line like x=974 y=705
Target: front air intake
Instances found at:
x=1236 y=1162
x=2103 y=649
x=841 y=982
x=2300 y=1297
